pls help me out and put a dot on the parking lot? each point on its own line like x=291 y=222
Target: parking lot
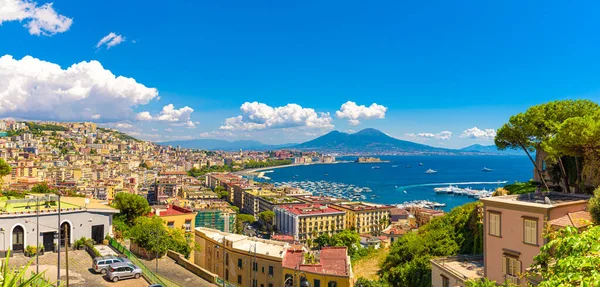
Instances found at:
x=80 y=272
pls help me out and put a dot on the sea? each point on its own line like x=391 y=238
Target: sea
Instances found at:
x=404 y=179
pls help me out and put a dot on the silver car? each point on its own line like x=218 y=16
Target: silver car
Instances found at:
x=123 y=270
x=100 y=264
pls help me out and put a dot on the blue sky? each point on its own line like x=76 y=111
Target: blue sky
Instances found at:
x=431 y=67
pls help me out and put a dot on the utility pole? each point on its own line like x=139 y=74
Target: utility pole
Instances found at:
x=59 y=229
x=67 y=252
x=37 y=229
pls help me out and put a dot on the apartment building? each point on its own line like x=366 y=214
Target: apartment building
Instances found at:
x=221 y=219
x=514 y=227
x=332 y=269
x=270 y=202
x=365 y=217
x=251 y=204
x=178 y=218
x=308 y=221
x=513 y=235
x=242 y=261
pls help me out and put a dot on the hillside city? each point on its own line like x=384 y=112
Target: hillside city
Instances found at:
x=182 y=217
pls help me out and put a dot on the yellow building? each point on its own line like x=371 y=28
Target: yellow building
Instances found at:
x=247 y=262
x=252 y=197
x=308 y=221
x=365 y=217
x=331 y=269
x=179 y=218
x=241 y=260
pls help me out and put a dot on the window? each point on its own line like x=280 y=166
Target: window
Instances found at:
x=239 y=279
x=171 y=224
x=226 y=274
x=530 y=231
x=240 y=263
x=226 y=259
x=445 y=281
x=263 y=269
x=254 y=266
x=511 y=266
x=188 y=225
x=494 y=223
x=270 y=284
x=332 y=284
x=317 y=283
x=254 y=284
x=271 y=270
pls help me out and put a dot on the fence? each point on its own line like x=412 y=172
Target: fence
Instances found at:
x=146 y=272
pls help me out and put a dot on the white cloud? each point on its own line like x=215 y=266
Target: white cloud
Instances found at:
x=353 y=112
x=124 y=126
x=443 y=135
x=40 y=20
x=176 y=117
x=218 y=134
x=110 y=40
x=168 y=130
x=259 y=116
x=36 y=89
x=476 y=133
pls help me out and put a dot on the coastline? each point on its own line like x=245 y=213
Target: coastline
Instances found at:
x=258 y=170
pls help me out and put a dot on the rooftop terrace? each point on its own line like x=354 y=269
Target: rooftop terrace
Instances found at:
x=246 y=244
x=465 y=267
x=361 y=206
x=332 y=260
x=541 y=199
x=310 y=209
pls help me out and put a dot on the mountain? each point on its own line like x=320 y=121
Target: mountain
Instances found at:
x=367 y=141
x=491 y=149
x=213 y=144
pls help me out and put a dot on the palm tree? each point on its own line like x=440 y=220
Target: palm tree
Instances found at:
x=15 y=277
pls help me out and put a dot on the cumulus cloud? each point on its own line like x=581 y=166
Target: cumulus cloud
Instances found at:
x=176 y=117
x=443 y=135
x=476 y=133
x=36 y=89
x=217 y=134
x=259 y=116
x=110 y=40
x=40 y=20
x=353 y=112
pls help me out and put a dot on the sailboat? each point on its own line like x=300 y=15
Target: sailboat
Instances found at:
x=431 y=171
x=420 y=164
x=485 y=169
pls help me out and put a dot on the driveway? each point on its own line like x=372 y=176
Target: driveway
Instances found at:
x=80 y=272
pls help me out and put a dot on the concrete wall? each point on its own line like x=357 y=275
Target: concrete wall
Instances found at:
x=436 y=277
x=203 y=273
x=80 y=221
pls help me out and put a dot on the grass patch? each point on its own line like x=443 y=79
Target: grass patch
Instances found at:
x=368 y=266
x=521 y=187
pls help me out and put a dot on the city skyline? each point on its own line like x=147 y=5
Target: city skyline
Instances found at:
x=284 y=72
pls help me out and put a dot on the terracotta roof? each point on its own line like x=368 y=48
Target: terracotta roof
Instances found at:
x=309 y=209
x=333 y=260
x=577 y=219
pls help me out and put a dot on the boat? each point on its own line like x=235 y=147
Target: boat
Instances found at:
x=430 y=171
x=420 y=164
x=394 y=166
x=485 y=169
x=405 y=191
x=375 y=167
x=408 y=166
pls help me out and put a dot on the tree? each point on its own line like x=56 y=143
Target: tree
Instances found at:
x=347 y=238
x=144 y=165
x=570 y=258
x=323 y=240
x=17 y=277
x=363 y=282
x=484 y=282
x=533 y=129
x=42 y=188
x=594 y=206
x=5 y=170
x=267 y=217
x=240 y=219
x=151 y=234
x=131 y=206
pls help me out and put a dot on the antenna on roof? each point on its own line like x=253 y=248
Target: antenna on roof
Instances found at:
x=547 y=200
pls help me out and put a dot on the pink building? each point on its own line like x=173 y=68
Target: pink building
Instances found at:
x=513 y=229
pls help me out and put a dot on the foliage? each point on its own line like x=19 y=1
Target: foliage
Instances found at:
x=44 y=127
x=144 y=165
x=458 y=232
x=570 y=258
x=347 y=238
x=131 y=206
x=5 y=170
x=223 y=195
x=594 y=206
x=268 y=163
x=521 y=187
x=240 y=219
x=150 y=234
x=17 y=277
x=120 y=227
x=196 y=172
x=267 y=217
x=363 y=282
x=42 y=188
x=310 y=258
x=482 y=283
x=30 y=249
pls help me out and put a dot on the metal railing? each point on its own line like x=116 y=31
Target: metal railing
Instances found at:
x=152 y=277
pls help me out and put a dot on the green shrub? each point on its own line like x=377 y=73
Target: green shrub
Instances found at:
x=594 y=206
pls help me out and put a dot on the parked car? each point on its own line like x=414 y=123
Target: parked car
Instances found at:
x=155 y=285
x=101 y=264
x=123 y=270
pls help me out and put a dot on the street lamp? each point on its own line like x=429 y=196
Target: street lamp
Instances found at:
x=302 y=282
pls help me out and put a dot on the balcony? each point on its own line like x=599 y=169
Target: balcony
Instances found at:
x=512 y=279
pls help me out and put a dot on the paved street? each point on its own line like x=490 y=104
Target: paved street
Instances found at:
x=169 y=269
x=80 y=273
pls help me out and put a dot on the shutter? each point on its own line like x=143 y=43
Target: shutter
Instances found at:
x=518 y=267
x=504 y=264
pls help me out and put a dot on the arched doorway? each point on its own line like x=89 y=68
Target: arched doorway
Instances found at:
x=18 y=239
x=65 y=233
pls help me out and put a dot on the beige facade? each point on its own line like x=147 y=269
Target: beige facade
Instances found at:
x=456 y=270
x=239 y=259
x=365 y=217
